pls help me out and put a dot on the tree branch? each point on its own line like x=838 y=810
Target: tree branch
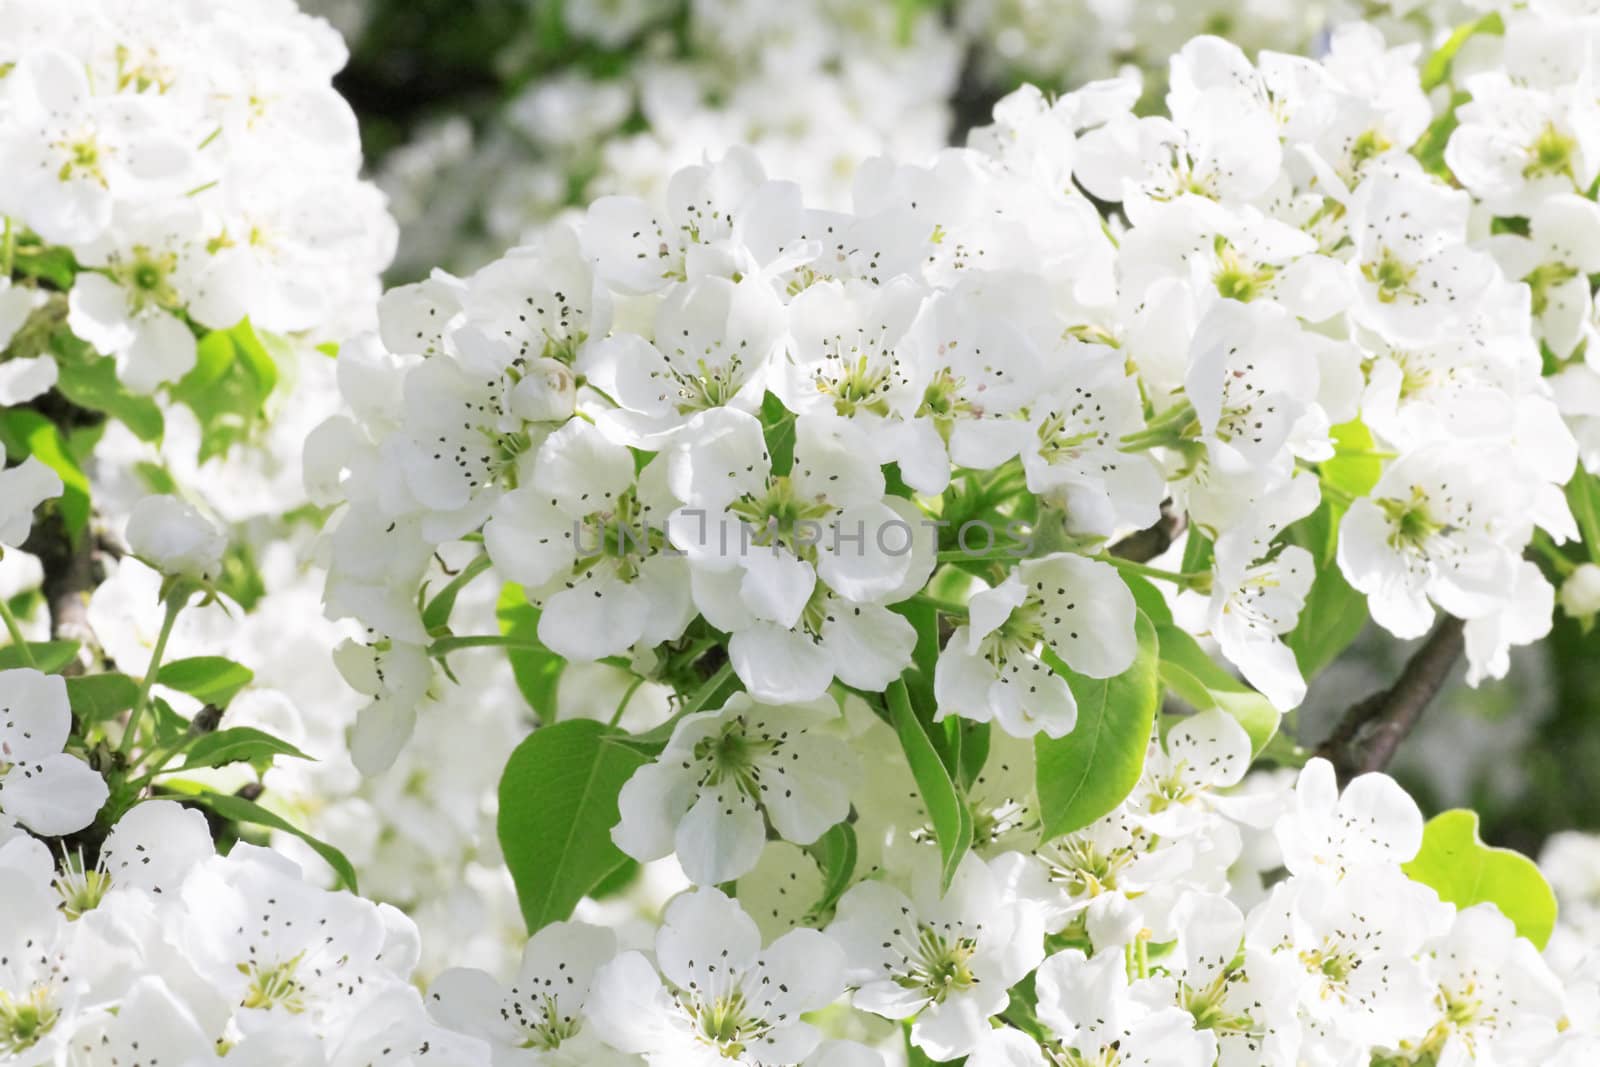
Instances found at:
x=71 y=573
x=1147 y=544
x=1370 y=733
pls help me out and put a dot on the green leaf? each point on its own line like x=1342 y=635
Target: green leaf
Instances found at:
x=1149 y=598
x=835 y=853
x=952 y=820
x=232 y=377
x=27 y=433
x=1457 y=865
x=1583 y=494
x=777 y=422
x=437 y=614
x=537 y=670
x=1333 y=617
x=558 y=803
x=101 y=697
x=1354 y=468
x=255 y=357
x=209 y=679
x=48 y=656
x=1202 y=683
x=238 y=744
x=238 y=809
x=95 y=386
x=1436 y=69
x=1087 y=773
x=54 y=264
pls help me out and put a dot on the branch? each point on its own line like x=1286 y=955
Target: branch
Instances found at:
x=71 y=573
x=1370 y=733
x=1147 y=544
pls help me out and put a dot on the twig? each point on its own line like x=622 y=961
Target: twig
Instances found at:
x=71 y=573
x=1150 y=542
x=1370 y=733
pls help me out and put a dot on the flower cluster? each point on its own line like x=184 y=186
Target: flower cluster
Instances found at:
x=638 y=90
x=159 y=950
x=1196 y=923
x=743 y=415
x=197 y=166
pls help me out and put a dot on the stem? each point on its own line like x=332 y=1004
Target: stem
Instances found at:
x=445 y=645
x=16 y=635
x=633 y=688
x=949 y=608
x=8 y=248
x=1015 y=553
x=708 y=689
x=174 y=605
x=1144 y=570
x=1370 y=733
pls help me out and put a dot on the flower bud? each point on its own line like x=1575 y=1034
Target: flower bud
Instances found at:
x=1580 y=593
x=175 y=539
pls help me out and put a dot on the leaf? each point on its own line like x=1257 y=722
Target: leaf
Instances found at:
x=48 y=656
x=1204 y=684
x=924 y=619
x=238 y=809
x=209 y=679
x=1087 y=773
x=558 y=803
x=1583 y=494
x=1149 y=598
x=537 y=670
x=1457 y=865
x=1333 y=617
x=27 y=433
x=1436 y=69
x=54 y=263
x=835 y=853
x=777 y=423
x=101 y=697
x=95 y=386
x=952 y=820
x=1354 y=468
x=238 y=744
x=437 y=614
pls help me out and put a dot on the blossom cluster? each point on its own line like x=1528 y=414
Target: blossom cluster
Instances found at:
x=159 y=950
x=669 y=84
x=198 y=167
x=1199 y=922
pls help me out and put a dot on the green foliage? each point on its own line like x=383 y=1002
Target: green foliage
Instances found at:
x=1583 y=495
x=27 y=433
x=239 y=744
x=1334 y=613
x=1087 y=773
x=209 y=679
x=558 y=803
x=93 y=385
x=1436 y=69
x=836 y=854
x=952 y=819
x=1202 y=683
x=536 y=669
x=98 y=698
x=47 y=656
x=232 y=378
x=1457 y=865
x=239 y=810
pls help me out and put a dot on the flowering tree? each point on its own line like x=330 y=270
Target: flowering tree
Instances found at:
x=912 y=591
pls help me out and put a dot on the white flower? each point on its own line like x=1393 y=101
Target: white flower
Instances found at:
x=541 y=1019
x=1372 y=823
x=23 y=488
x=129 y=307
x=944 y=961
x=994 y=668
x=725 y=773
x=1580 y=592
x=586 y=536
x=177 y=540
x=1086 y=1002
x=42 y=787
x=1432 y=530
x=1249 y=613
x=714 y=995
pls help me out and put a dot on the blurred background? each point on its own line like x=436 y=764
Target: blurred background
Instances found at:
x=484 y=120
